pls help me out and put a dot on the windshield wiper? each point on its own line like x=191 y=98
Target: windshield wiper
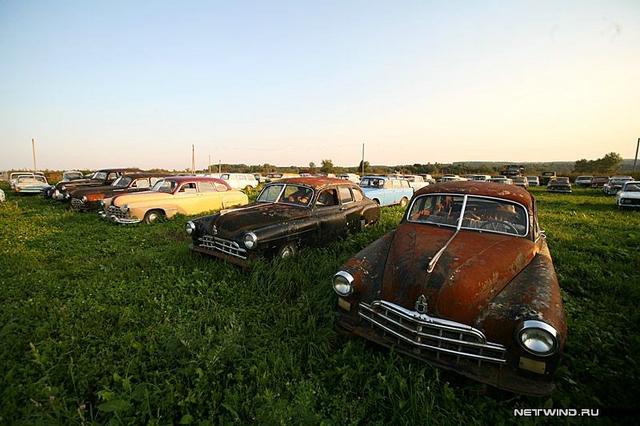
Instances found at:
x=436 y=257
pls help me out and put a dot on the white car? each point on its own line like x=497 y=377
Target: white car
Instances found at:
x=629 y=195
x=479 y=178
x=501 y=179
x=31 y=184
x=533 y=180
x=3 y=197
x=13 y=177
x=244 y=181
x=452 y=178
x=416 y=181
x=350 y=177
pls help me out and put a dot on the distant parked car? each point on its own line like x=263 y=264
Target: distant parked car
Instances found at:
x=599 y=181
x=13 y=177
x=274 y=177
x=244 y=181
x=559 y=184
x=546 y=177
x=428 y=178
x=466 y=283
x=258 y=177
x=30 y=184
x=88 y=198
x=584 y=181
x=415 y=181
x=520 y=181
x=502 y=179
x=452 y=178
x=386 y=191
x=351 y=177
x=615 y=184
x=100 y=177
x=629 y=195
x=479 y=178
x=533 y=180
x=67 y=176
x=188 y=195
x=286 y=216
x=3 y=197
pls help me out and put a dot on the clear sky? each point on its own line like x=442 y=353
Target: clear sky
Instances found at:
x=135 y=83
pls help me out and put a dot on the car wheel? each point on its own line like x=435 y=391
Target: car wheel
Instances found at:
x=375 y=200
x=287 y=250
x=404 y=202
x=153 y=216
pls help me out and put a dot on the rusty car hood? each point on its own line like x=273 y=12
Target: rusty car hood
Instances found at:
x=257 y=215
x=474 y=268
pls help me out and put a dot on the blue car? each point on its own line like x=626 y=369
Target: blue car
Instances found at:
x=386 y=191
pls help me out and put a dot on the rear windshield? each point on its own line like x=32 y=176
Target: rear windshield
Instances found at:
x=480 y=213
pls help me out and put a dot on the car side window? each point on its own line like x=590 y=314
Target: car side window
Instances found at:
x=207 y=186
x=357 y=194
x=141 y=183
x=188 y=188
x=220 y=187
x=154 y=180
x=112 y=176
x=327 y=198
x=345 y=195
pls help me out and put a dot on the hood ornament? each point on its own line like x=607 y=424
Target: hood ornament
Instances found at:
x=421 y=305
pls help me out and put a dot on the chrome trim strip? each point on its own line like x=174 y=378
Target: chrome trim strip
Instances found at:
x=436 y=257
x=438 y=325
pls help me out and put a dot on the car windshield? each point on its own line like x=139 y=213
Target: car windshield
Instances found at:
x=32 y=178
x=480 y=213
x=372 y=183
x=287 y=194
x=122 y=182
x=165 y=185
x=72 y=175
x=99 y=176
x=632 y=187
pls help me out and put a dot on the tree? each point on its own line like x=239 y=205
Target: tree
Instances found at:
x=609 y=163
x=327 y=166
x=366 y=167
x=312 y=167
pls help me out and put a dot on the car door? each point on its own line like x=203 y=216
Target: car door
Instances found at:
x=331 y=218
x=349 y=208
x=209 y=197
x=187 y=199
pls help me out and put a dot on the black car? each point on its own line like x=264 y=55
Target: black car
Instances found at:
x=100 y=177
x=287 y=215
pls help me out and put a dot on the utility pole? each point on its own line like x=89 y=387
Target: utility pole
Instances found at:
x=193 y=159
x=33 y=151
x=209 y=168
x=362 y=163
x=634 y=161
x=219 y=166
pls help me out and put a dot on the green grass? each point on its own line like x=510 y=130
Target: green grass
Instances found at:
x=122 y=324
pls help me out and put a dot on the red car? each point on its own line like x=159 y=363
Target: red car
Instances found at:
x=466 y=282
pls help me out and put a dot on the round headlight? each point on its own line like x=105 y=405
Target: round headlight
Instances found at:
x=124 y=208
x=250 y=240
x=101 y=203
x=63 y=188
x=343 y=283
x=538 y=338
x=190 y=227
x=84 y=198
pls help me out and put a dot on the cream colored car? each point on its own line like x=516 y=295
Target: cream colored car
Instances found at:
x=187 y=195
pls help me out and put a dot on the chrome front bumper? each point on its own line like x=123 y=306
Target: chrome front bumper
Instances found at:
x=115 y=215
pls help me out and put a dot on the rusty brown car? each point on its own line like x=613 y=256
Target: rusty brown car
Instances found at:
x=288 y=214
x=466 y=283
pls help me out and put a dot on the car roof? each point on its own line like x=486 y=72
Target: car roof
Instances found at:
x=487 y=189
x=316 y=181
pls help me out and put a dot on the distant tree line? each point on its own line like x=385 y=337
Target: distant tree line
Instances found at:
x=609 y=163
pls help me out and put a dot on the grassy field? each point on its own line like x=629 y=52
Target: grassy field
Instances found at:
x=103 y=323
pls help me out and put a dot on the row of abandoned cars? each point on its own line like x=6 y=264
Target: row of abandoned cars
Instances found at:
x=465 y=282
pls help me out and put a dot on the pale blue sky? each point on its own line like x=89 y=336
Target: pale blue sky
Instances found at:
x=136 y=83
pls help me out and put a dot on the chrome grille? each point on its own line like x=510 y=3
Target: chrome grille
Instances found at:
x=225 y=246
x=444 y=339
x=115 y=211
x=77 y=203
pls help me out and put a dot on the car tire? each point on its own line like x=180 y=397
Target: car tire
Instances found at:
x=375 y=200
x=403 y=202
x=153 y=216
x=287 y=250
